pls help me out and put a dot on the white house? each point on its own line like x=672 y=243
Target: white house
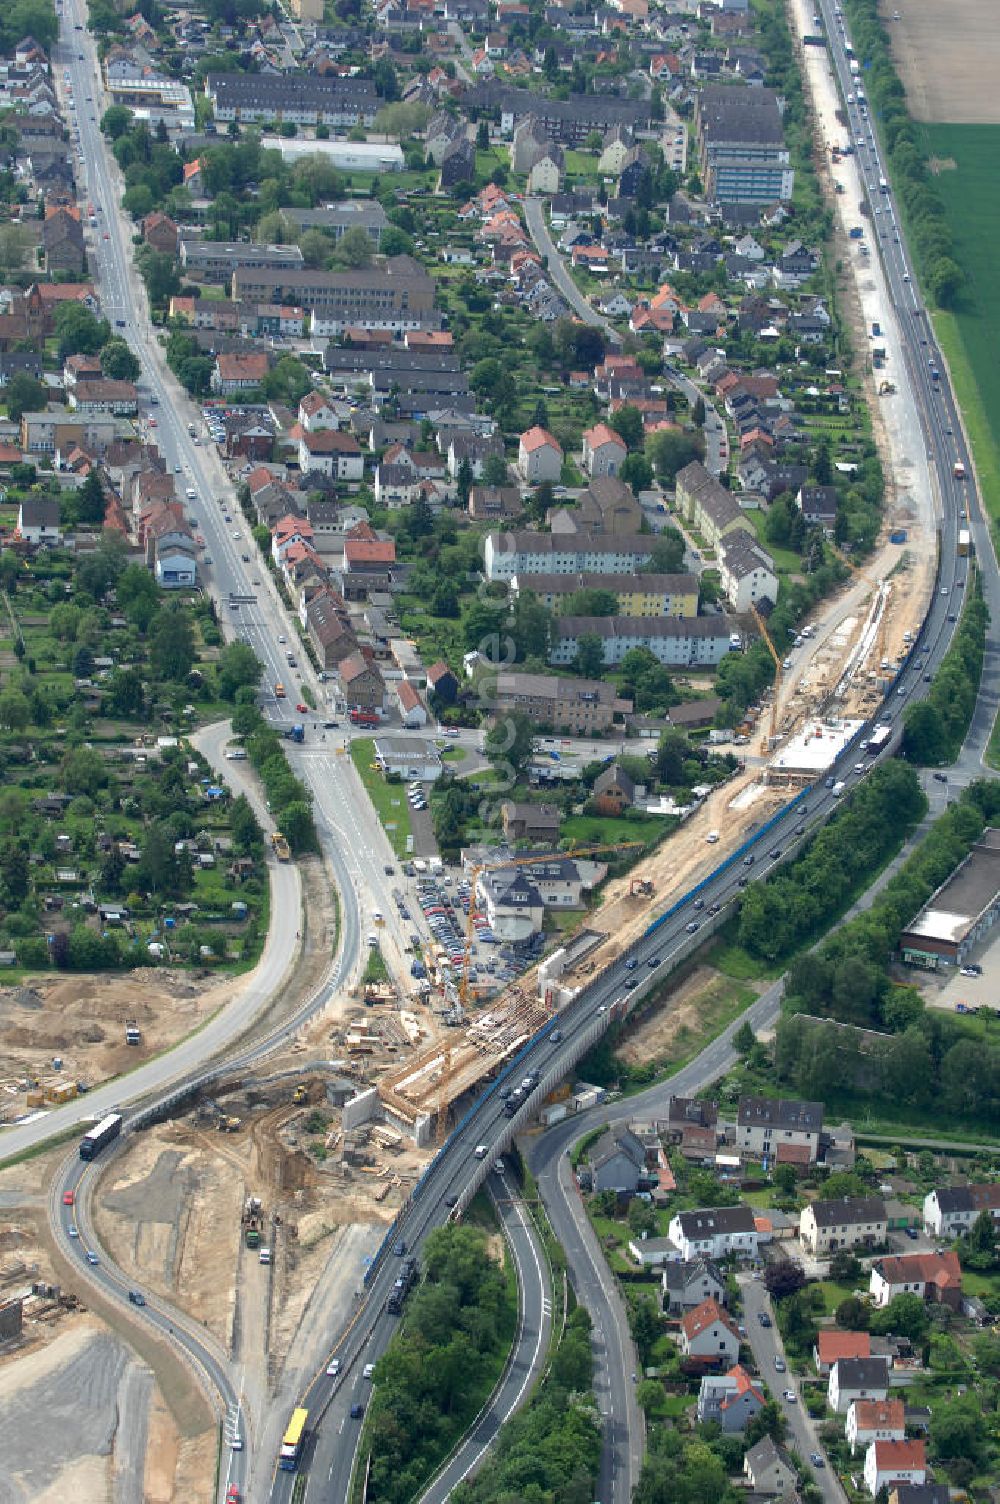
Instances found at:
x=539 y=456
x=38 y=520
x=317 y=412
x=604 y=451
x=717 y=1232
x=746 y=573
x=857 y=1379
x=412 y=712
x=710 y=1333
x=874 y=1420
x=329 y=452
x=175 y=565
x=933 y=1276
x=951 y=1210
x=891 y=1463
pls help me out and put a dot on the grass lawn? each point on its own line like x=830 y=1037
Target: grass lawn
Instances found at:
x=389 y=799
x=983 y=1285
x=833 y=1293
x=599 y=830
x=785 y=559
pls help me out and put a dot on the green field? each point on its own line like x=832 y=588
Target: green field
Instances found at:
x=970 y=334
x=389 y=799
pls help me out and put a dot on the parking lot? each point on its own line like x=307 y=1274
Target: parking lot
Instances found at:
x=445 y=899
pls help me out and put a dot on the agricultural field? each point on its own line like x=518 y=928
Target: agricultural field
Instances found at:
x=966 y=157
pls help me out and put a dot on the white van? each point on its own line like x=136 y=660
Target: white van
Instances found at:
x=712 y=837
x=482 y=1150
x=265 y=1255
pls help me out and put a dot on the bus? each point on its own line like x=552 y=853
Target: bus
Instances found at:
x=100 y=1136
x=291 y=1444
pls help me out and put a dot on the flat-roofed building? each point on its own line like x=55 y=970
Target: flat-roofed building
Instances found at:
x=960 y=913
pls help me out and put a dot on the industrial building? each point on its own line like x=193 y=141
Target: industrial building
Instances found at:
x=960 y=913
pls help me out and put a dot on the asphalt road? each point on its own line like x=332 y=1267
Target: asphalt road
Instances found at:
x=534 y=218
x=765 y=1344
x=531 y=1344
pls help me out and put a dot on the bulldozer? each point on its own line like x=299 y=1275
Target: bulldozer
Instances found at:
x=300 y=1094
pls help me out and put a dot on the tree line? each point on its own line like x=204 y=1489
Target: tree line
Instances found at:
x=440 y=1367
x=551 y=1451
x=779 y=915
x=936 y=727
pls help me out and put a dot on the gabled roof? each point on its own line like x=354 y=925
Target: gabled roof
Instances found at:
x=705 y=1316
x=903 y=1456
x=602 y=434
x=848 y=1210
x=941 y=1269
x=834 y=1345
x=538 y=438
x=879 y=1415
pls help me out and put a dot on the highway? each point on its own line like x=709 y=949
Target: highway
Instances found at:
x=457 y=1170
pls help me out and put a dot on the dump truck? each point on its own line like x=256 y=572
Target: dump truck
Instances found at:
x=253 y=1221
x=133 y=1034
x=282 y=850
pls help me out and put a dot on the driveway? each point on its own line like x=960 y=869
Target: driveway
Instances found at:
x=765 y=1344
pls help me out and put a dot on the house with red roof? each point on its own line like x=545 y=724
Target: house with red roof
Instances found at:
x=539 y=456
x=239 y=373
x=730 y=1399
x=286 y=531
x=892 y=1464
x=832 y=1345
x=933 y=1276
x=709 y=1334
x=874 y=1420
x=412 y=711
x=604 y=450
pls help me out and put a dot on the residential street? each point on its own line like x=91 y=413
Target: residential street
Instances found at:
x=765 y=1344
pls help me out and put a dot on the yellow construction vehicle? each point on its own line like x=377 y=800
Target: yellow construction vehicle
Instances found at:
x=299 y=1094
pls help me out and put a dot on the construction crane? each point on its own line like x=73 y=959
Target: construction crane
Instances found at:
x=762 y=629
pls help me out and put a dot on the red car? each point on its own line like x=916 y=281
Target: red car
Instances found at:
x=232 y=1494
x=302 y=709
x=67 y=1198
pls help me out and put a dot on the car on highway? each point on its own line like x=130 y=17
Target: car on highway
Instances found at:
x=940 y=777
x=333 y=1368
x=816 y=1459
x=92 y=1257
x=971 y=971
x=779 y=1364
x=763 y=1318
x=369 y=1368
x=137 y=1298
x=68 y=1198
x=357 y=1411
x=74 y=1232
x=789 y=1396
x=233 y=1495
x=302 y=708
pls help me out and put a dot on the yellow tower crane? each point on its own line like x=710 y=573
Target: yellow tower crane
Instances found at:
x=778 y=670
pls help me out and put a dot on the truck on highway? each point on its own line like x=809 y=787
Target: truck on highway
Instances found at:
x=296 y=733
x=856 y=233
x=838 y=788
x=884 y=184
x=958 y=470
x=282 y=850
x=877 y=740
x=855 y=68
x=401 y=1288
x=100 y=1136
x=291 y=1442
x=964 y=542
x=279 y=691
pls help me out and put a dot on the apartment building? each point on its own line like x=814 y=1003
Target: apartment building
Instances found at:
x=636 y=594
x=825 y=1226
x=708 y=506
x=765 y=1124
x=292 y=98
x=580 y=706
x=525 y=553
x=741 y=145
x=216 y=260
x=676 y=641
x=396 y=295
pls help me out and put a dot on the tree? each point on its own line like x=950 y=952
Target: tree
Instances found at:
x=238 y=665
x=589 y=659
x=118 y=362
x=904 y=1316
x=783 y=1278
x=637 y=472
x=78 y=331
x=495 y=470
x=354 y=248
x=172 y=653
x=395 y=242
x=670 y=757
x=24 y=394
x=116 y=121
x=667 y=553
x=297 y=826
x=84 y=771
x=785 y=1179
x=138 y=595
x=510 y=742
x=627 y=423
x=15 y=712
x=978 y=1248
x=670 y=451
x=316 y=246
x=853 y=1314
x=845 y=1268
x=90 y=500
x=744 y=1039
